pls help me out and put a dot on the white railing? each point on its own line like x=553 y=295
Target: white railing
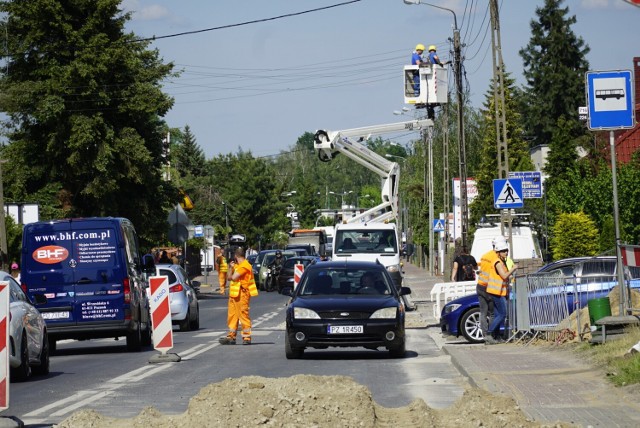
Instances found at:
x=444 y=292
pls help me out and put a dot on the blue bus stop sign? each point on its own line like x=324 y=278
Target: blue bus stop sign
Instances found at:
x=610 y=100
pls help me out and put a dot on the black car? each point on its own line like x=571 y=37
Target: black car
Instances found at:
x=348 y=304
x=285 y=279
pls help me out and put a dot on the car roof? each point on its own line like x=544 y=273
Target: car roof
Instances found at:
x=356 y=264
x=574 y=260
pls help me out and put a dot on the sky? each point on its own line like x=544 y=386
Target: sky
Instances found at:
x=258 y=74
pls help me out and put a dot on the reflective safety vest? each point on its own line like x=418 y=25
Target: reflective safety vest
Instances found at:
x=488 y=276
x=222 y=265
x=246 y=281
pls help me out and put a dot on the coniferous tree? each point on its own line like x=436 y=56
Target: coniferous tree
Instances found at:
x=554 y=67
x=84 y=108
x=518 y=153
x=190 y=158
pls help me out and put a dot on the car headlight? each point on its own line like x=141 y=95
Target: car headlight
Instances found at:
x=450 y=308
x=393 y=268
x=386 y=313
x=305 y=314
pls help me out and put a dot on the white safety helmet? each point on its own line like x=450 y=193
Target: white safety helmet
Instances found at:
x=500 y=243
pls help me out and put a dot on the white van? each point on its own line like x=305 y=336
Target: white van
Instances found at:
x=525 y=243
x=369 y=242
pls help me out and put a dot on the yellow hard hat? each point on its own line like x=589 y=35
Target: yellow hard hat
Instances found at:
x=419 y=47
x=432 y=48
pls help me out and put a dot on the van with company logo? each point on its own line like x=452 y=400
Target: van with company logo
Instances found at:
x=90 y=271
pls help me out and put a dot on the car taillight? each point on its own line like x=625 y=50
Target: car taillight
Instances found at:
x=176 y=288
x=127 y=290
x=24 y=287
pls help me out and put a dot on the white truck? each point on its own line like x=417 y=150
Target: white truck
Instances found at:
x=373 y=234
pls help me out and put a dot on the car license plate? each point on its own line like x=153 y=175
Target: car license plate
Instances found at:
x=344 y=329
x=55 y=315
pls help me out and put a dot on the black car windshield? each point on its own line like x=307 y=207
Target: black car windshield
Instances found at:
x=340 y=281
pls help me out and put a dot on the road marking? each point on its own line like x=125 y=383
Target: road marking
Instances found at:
x=82 y=398
x=79 y=404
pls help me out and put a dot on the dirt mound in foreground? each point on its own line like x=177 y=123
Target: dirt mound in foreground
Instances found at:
x=312 y=401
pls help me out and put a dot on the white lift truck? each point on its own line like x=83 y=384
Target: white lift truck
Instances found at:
x=373 y=234
x=329 y=144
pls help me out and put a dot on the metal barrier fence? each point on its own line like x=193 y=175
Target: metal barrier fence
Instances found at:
x=542 y=302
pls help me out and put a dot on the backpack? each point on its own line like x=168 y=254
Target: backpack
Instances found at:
x=468 y=269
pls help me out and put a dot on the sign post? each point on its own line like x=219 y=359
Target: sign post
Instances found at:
x=298 y=270
x=531 y=183
x=611 y=107
x=507 y=193
x=161 y=320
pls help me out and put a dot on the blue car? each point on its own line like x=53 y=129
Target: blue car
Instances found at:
x=581 y=278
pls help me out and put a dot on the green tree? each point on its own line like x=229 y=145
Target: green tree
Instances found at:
x=518 y=153
x=575 y=234
x=84 y=108
x=554 y=68
x=189 y=158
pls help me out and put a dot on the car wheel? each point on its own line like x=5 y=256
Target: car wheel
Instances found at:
x=399 y=351
x=53 y=345
x=289 y=352
x=23 y=371
x=134 y=339
x=195 y=323
x=43 y=368
x=470 y=326
x=184 y=324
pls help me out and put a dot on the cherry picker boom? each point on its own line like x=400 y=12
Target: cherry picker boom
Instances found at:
x=328 y=144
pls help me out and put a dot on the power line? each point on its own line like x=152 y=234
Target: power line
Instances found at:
x=255 y=21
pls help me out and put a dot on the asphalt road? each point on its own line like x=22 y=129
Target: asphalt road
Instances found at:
x=102 y=375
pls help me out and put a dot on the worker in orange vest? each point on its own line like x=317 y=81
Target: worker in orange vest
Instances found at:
x=241 y=288
x=222 y=268
x=494 y=277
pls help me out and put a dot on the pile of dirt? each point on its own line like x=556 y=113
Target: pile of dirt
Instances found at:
x=313 y=401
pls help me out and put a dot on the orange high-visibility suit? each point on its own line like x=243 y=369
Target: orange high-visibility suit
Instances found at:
x=222 y=269
x=240 y=293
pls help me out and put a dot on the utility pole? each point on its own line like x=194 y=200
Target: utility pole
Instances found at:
x=226 y=221
x=432 y=252
x=457 y=69
x=445 y=183
x=500 y=110
x=3 y=228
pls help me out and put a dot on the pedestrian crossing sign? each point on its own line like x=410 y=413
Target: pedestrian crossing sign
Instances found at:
x=507 y=193
x=438 y=225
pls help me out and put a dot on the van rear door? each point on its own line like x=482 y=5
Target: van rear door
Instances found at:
x=75 y=264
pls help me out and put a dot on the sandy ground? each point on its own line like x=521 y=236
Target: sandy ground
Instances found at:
x=314 y=401
x=323 y=401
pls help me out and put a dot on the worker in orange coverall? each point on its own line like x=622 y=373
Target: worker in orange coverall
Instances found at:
x=241 y=288
x=222 y=268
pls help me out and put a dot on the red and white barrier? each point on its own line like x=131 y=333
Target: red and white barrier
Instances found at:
x=4 y=345
x=298 y=269
x=630 y=255
x=160 y=313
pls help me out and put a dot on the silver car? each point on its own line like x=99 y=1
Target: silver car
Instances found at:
x=28 y=340
x=183 y=301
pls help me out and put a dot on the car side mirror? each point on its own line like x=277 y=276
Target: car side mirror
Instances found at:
x=148 y=264
x=405 y=291
x=287 y=291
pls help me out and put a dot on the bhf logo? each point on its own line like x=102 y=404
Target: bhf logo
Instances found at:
x=50 y=254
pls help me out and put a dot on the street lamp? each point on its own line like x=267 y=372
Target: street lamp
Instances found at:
x=464 y=213
x=390 y=156
x=226 y=220
x=358 y=198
